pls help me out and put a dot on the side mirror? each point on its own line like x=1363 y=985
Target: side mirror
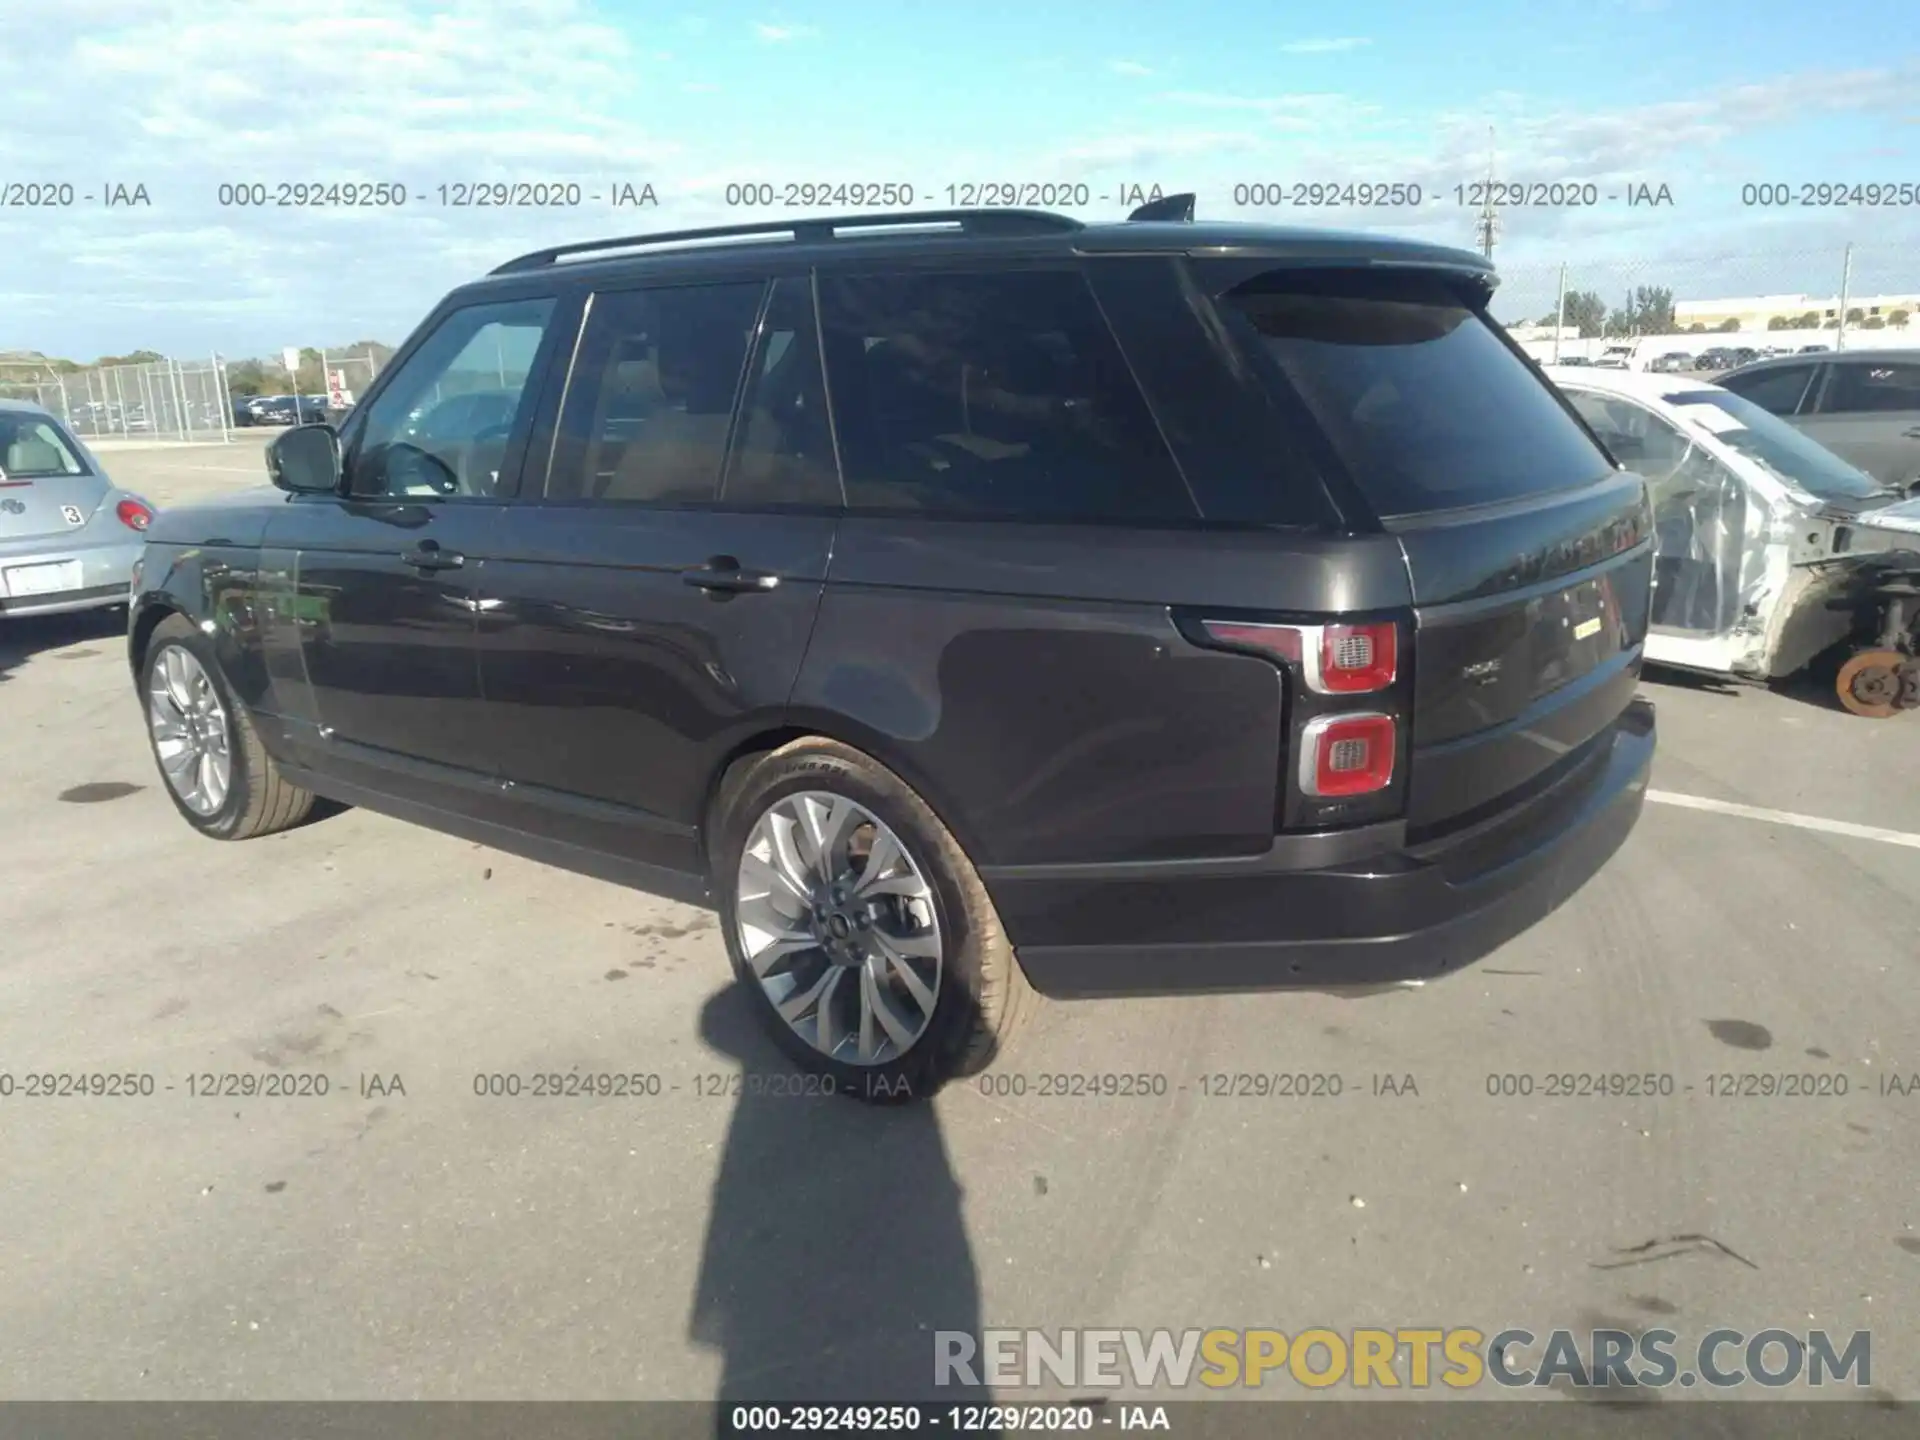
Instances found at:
x=306 y=460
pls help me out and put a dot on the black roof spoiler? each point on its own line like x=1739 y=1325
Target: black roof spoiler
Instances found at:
x=1170 y=207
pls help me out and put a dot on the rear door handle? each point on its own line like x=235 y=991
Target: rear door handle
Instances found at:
x=722 y=576
x=1912 y=432
x=428 y=555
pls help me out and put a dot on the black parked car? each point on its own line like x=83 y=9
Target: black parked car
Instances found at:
x=289 y=410
x=954 y=602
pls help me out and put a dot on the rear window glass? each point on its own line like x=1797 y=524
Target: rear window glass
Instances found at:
x=1424 y=403
x=33 y=447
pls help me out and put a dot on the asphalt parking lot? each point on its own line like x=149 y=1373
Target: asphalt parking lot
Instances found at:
x=405 y=1237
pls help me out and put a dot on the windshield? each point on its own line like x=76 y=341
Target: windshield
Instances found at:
x=32 y=447
x=1743 y=426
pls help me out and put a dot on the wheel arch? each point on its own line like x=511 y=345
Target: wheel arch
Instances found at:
x=808 y=725
x=148 y=616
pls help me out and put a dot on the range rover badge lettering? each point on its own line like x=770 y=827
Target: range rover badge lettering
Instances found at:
x=1481 y=673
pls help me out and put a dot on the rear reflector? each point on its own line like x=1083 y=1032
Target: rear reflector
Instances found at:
x=1282 y=642
x=1344 y=755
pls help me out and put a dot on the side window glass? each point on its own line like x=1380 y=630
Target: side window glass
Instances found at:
x=1637 y=438
x=783 y=454
x=1867 y=387
x=652 y=395
x=440 y=427
x=997 y=396
x=1777 y=391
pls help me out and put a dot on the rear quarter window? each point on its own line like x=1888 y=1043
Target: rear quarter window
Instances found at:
x=1423 y=401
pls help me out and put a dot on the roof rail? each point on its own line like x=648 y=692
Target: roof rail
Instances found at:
x=968 y=222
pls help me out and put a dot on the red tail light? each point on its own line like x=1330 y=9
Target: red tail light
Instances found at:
x=1337 y=659
x=1344 y=755
x=133 y=514
x=1356 y=659
x=1282 y=642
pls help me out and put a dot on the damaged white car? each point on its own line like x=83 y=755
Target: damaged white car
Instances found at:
x=1770 y=549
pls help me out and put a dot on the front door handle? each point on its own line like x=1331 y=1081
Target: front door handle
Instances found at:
x=1912 y=432
x=722 y=576
x=428 y=555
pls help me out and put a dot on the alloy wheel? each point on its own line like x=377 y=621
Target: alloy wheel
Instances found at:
x=190 y=731
x=837 y=922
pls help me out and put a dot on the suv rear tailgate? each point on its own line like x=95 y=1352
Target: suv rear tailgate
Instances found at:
x=1528 y=551
x=1518 y=667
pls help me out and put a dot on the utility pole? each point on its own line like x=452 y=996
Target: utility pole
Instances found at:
x=1846 y=283
x=1560 y=314
x=1488 y=227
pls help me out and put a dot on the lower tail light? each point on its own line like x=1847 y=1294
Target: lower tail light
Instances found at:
x=133 y=514
x=1346 y=755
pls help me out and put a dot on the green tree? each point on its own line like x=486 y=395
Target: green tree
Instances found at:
x=1781 y=322
x=1585 y=311
x=1653 y=309
x=247 y=378
x=1873 y=322
x=1729 y=326
x=1856 y=315
x=1899 y=318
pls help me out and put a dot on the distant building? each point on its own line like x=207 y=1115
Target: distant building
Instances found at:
x=1757 y=312
x=1526 y=334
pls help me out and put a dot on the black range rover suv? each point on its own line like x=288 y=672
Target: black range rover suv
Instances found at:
x=962 y=604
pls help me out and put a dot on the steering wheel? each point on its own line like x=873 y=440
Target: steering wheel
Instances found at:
x=474 y=479
x=409 y=467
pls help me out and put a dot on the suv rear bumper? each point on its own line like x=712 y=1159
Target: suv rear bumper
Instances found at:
x=1401 y=912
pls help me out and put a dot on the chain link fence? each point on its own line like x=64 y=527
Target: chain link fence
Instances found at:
x=159 y=400
x=1769 y=302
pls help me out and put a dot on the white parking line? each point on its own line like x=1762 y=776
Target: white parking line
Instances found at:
x=1788 y=817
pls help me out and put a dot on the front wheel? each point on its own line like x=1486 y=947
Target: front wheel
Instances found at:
x=218 y=774
x=857 y=925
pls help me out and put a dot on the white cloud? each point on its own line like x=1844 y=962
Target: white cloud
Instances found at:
x=1129 y=67
x=185 y=95
x=783 y=34
x=1324 y=47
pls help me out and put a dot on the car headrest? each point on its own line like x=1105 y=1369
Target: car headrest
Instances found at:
x=31 y=455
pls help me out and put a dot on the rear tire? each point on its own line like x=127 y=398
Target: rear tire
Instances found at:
x=931 y=931
x=255 y=798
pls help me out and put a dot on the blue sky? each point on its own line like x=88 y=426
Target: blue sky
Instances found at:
x=182 y=96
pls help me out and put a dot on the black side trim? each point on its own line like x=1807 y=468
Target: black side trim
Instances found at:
x=474 y=781
x=687 y=888
x=1313 y=851
x=588 y=808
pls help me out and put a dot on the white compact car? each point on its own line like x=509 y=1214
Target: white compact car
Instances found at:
x=69 y=537
x=1769 y=548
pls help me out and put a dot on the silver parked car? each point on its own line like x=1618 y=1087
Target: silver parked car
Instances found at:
x=69 y=536
x=1864 y=405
